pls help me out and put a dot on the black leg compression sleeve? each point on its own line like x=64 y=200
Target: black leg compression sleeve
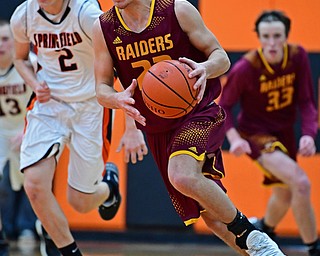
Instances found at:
x=241 y=228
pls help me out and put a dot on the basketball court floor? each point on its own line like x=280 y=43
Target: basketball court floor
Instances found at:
x=100 y=248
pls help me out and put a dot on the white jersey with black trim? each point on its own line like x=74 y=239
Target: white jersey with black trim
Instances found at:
x=65 y=52
x=14 y=96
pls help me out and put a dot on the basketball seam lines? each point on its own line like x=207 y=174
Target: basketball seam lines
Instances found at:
x=170 y=87
x=189 y=89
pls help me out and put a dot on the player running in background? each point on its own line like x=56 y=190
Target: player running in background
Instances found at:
x=63 y=111
x=272 y=83
x=132 y=36
x=16 y=212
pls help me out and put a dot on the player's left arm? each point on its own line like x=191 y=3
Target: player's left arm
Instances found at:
x=307 y=106
x=133 y=142
x=203 y=39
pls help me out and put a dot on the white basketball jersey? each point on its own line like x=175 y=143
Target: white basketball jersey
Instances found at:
x=65 y=51
x=14 y=96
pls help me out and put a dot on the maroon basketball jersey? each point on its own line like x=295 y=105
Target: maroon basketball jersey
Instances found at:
x=270 y=95
x=134 y=53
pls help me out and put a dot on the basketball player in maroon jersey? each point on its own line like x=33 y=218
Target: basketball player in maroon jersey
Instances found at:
x=271 y=83
x=132 y=36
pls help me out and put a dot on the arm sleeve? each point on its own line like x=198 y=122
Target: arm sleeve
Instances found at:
x=306 y=96
x=18 y=24
x=231 y=92
x=88 y=16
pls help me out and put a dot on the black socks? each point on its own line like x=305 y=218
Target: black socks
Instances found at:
x=265 y=228
x=241 y=227
x=70 y=250
x=313 y=248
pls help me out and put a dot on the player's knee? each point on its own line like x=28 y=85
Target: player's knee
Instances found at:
x=182 y=182
x=303 y=185
x=34 y=188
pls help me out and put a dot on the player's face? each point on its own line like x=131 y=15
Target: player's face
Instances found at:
x=6 y=44
x=272 y=37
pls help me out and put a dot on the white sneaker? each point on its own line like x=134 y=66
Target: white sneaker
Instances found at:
x=260 y=244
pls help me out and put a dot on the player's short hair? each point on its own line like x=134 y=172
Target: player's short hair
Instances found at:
x=273 y=15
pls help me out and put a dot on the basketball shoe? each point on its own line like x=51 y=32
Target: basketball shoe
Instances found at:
x=259 y=224
x=110 y=207
x=47 y=246
x=260 y=244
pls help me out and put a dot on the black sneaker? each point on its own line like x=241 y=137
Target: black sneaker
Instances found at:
x=260 y=226
x=47 y=246
x=110 y=207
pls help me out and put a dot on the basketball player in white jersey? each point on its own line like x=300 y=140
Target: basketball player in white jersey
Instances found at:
x=14 y=96
x=64 y=112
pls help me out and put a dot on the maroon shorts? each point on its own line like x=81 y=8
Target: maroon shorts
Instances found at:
x=201 y=136
x=264 y=143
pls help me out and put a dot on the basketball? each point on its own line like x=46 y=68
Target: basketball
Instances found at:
x=167 y=90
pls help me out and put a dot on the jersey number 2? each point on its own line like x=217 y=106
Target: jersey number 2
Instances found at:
x=63 y=58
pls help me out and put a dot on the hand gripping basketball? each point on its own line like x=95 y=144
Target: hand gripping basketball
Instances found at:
x=167 y=90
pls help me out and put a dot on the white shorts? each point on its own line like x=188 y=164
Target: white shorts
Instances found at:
x=54 y=124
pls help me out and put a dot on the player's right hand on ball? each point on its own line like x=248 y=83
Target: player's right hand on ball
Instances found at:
x=43 y=92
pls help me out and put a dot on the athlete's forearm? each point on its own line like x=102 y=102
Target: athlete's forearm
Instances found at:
x=106 y=96
x=25 y=69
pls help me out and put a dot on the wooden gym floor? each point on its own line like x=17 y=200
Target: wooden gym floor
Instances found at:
x=138 y=247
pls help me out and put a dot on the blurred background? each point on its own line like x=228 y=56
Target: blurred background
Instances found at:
x=146 y=205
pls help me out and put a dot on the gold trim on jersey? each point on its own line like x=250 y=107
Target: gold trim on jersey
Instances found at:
x=271 y=147
x=193 y=220
x=200 y=157
x=266 y=64
x=149 y=20
x=186 y=152
x=216 y=177
x=285 y=56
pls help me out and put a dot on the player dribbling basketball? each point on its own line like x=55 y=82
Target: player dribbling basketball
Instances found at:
x=167 y=89
x=131 y=37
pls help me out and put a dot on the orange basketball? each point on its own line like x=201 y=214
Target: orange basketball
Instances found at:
x=168 y=91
